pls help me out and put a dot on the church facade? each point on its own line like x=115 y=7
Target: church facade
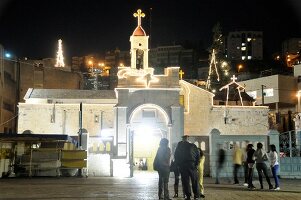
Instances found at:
x=124 y=126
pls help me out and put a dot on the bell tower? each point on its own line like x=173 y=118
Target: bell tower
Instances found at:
x=139 y=45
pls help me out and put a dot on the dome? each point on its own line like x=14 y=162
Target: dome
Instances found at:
x=139 y=31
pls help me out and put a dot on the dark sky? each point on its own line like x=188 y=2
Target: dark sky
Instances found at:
x=32 y=27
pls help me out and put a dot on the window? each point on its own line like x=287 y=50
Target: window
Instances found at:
x=268 y=92
x=252 y=94
x=181 y=99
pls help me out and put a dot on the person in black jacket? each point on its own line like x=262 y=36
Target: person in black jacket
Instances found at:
x=162 y=165
x=221 y=155
x=187 y=157
x=251 y=162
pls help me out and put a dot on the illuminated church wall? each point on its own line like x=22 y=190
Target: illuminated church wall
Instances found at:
x=197 y=109
x=64 y=118
x=201 y=116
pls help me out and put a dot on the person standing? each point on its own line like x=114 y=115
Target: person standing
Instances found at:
x=274 y=163
x=250 y=162
x=261 y=156
x=245 y=166
x=175 y=169
x=237 y=162
x=187 y=157
x=162 y=165
x=221 y=155
x=201 y=173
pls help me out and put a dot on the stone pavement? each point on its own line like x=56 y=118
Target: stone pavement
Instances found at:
x=142 y=186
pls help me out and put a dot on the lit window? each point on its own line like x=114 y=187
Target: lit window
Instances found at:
x=243 y=48
x=243 y=57
x=181 y=99
x=238 y=47
x=268 y=92
x=243 y=44
x=249 y=39
x=252 y=94
x=249 y=57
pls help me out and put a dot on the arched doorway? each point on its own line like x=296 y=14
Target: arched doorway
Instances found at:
x=148 y=124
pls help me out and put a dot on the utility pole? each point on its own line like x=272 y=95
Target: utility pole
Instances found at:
x=80 y=133
x=262 y=94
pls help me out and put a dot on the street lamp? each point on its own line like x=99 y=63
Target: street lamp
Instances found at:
x=90 y=62
x=240 y=67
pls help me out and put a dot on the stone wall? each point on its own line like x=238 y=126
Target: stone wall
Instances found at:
x=64 y=118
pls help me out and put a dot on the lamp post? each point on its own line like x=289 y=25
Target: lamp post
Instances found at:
x=262 y=94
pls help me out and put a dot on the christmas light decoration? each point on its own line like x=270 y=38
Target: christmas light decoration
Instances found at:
x=59 y=56
x=142 y=75
x=212 y=70
x=239 y=88
x=219 y=68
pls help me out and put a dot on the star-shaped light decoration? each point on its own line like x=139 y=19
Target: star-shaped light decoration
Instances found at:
x=148 y=78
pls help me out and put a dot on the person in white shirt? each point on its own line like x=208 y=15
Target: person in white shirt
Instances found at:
x=274 y=163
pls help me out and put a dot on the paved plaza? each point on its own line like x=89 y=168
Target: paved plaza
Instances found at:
x=142 y=186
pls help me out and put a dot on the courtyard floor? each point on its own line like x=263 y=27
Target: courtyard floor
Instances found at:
x=142 y=186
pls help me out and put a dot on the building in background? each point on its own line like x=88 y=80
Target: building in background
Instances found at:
x=40 y=74
x=175 y=55
x=244 y=45
x=291 y=51
x=9 y=75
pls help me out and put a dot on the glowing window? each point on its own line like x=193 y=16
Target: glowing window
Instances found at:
x=181 y=100
x=249 y=57
x=243 y=44
x=268 y=92
x=249 y=39
x=252 y=94
x=243 y=48
x=243 y=57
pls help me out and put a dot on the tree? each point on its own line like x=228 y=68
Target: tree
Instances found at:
x=219 y=67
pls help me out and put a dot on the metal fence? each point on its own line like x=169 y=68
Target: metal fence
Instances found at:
x=289 y=144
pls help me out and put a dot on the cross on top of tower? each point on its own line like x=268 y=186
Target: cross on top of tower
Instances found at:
x=233 y=78
x=139 y=14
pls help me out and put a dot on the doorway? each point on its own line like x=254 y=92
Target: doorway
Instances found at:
x=148 y=124
x=145 y=146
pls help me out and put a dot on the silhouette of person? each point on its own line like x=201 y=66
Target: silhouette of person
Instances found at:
x=261 y=156
x=221 y=154
x=162 y=165
x=187 y=157
x=201 y=173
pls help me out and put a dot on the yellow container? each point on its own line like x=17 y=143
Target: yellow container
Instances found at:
x=74 y=154
x=74 y=163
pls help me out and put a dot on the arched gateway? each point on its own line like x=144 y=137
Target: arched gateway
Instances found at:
x=148 y=123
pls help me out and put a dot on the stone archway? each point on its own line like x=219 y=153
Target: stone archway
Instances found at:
x=148 y=123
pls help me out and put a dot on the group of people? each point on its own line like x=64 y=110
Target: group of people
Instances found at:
x=188 y=162
x=257 y=158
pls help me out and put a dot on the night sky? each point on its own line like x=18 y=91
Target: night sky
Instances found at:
x=31 y=28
